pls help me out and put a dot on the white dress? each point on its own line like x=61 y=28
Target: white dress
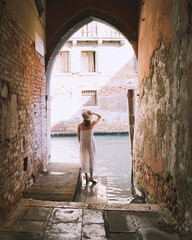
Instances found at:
x=87 y=151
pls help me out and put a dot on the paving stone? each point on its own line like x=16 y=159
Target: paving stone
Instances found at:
x=31 y=213
x=91 y=196
x=66 y=215
x=120 y=221
x=92 y=193
x=24 y=226
x=20 y=236
x=77 y=221
x=18 y=212
x=69 y=230
x=102 y=189
x=147 y=219
x=37 y=213
x=123 y=236
x=92 y=216
x=93 y=231
x=62 y=236
x=154 y=233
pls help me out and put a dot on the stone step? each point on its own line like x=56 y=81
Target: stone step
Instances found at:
x=57 y=183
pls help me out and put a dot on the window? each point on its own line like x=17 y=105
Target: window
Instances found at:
x=88 y=61
x=64 y=57
x=89 y=98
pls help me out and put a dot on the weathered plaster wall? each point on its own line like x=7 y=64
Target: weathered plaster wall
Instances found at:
x=26 y=15
x=163 y=139
x=154 y=26
x=22 y=110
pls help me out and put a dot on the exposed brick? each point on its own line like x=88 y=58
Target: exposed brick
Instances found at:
x=22 y=70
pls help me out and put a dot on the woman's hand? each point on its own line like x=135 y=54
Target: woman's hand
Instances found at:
x=89 y=112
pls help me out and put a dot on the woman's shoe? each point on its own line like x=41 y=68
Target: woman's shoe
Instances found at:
x=93 y=181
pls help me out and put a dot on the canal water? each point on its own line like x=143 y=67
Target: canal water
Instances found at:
x=113 y=161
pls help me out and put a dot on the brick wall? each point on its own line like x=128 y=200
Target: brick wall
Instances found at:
x=22 y=111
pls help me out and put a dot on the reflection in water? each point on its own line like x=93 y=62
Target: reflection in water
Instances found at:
x=113 y=161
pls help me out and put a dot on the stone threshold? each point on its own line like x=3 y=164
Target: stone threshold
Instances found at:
x=96 y=206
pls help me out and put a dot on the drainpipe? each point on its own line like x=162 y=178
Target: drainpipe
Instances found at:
x=131 y=112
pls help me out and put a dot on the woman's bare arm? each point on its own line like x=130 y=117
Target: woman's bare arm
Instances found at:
x=98 y=118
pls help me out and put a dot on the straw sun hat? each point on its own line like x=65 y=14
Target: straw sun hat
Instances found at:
x=87 y=115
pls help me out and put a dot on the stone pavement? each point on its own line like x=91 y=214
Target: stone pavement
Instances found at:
x=34 y=219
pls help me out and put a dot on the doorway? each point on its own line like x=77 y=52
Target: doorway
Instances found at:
x=92 y=71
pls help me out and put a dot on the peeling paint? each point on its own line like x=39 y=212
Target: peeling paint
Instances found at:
x=152 y=31
x=163 y=140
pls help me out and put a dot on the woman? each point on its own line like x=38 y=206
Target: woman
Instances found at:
x=87 y=144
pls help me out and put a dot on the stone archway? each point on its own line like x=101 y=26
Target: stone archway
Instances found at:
x=76 y=23
x=66 y=32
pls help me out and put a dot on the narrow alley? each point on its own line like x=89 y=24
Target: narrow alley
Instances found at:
x=40 y=200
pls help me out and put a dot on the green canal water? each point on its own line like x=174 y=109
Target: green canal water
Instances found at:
x=113 y=161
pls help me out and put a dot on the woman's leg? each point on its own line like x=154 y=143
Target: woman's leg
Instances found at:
x=91 y=177
x=86 y=176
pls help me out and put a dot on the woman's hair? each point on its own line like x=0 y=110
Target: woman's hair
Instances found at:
x=87 y=122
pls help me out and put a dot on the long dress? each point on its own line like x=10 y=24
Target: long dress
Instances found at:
x=87 y=151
